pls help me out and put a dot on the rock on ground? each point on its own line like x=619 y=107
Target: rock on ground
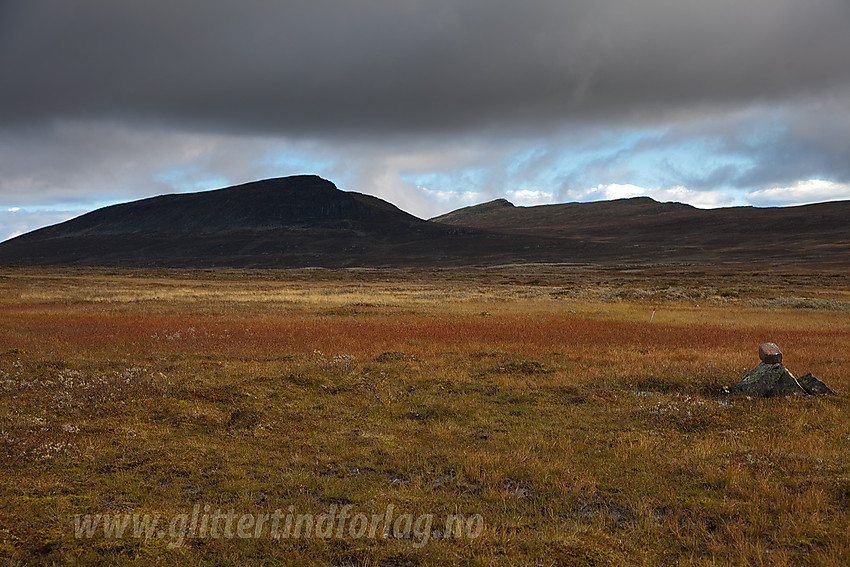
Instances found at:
x=768 y=380
x=776 y=380
x=813 y=386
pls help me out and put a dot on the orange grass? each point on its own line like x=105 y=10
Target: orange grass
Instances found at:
x=582 y=433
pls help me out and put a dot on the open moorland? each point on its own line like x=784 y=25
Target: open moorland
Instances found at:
x=514 y=415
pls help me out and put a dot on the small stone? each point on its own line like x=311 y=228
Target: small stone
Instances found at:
x=769 y=353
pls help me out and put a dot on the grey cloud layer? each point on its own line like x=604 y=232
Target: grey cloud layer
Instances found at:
x=313 y=67
x=105 y=100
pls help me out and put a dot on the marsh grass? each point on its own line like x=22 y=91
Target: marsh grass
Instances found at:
x=581 y=433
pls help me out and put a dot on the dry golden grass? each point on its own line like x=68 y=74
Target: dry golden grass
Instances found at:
x=539 y=397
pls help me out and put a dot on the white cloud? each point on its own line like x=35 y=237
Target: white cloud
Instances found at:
x=679 y=194
x=611 y=191
x=467 y=197
x=16 y=221
x=800 y=193
x=529 y=197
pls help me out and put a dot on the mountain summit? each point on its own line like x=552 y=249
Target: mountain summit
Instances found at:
x=290 y=221
x=467 y=214
x=289 y=203
x=307 y=221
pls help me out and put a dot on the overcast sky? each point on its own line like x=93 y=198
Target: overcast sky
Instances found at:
x=430 y=104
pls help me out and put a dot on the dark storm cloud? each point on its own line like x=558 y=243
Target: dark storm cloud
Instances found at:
x=323 y=67
x=771 y=146
x=431 y=104
x=804 y=144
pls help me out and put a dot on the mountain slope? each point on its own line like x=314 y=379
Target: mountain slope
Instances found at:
x=641 y=227
x=293 y=221
x=307 y=221
x=288 y=203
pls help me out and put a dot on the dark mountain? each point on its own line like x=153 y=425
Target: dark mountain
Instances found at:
x=475 y=213
x=307 y=221
x=562 y=217
x=292 y=221
x=293 y=203
x=642 y=228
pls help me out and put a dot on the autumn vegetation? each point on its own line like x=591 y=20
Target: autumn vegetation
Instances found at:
x=540 y=397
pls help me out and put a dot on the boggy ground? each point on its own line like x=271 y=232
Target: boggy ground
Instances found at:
x=538 y=402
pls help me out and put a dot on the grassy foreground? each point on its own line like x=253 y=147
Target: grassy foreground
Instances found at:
x=537 y=403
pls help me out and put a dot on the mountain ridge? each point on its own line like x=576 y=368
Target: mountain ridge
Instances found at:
x=280 y=222
x=642 y=218
x=647 y=204
x=307 y=221
x=267 y=204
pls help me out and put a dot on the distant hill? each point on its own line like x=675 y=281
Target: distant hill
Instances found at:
x=475 y=213
x=306 y=221
x=494 y=213
x=642 y=228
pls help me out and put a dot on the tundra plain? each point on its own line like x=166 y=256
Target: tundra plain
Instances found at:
x=540 y=397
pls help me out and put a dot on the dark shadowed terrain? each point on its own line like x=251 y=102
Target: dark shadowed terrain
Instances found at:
x=641 y=228
x=306 y=221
